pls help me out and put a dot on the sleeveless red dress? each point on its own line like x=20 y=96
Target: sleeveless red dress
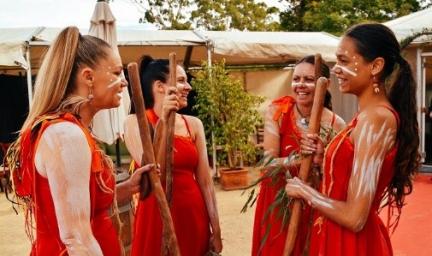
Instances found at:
x=328 y=237
x=188 y=210
x=101 y=186
x=275 y=241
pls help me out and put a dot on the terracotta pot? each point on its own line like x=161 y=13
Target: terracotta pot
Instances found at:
x=232 y=179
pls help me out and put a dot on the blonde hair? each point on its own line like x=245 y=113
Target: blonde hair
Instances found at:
x=55 y=81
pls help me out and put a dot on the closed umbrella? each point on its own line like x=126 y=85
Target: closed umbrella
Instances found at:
x=108 y=124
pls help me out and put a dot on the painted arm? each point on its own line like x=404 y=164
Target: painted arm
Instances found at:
x=373 y=137
x=63 y=156
x=206 y=184
x=272 y=142
x=127 y=188
x=131 y=137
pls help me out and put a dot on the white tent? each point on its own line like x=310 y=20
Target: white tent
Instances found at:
x=419 y=55
x=270 y=47
x=408 y=25
x=236 y=47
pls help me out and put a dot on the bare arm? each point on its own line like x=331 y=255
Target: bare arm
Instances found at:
x=272 y=142
x=126 y=189
x=205 y=182
x=373 y=137
x=132 y=138
x=63 y=156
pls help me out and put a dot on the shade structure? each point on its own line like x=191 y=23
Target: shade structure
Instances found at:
x=108 y=123
x=412 y=23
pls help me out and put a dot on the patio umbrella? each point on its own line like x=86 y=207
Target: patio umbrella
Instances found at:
x=108 y=124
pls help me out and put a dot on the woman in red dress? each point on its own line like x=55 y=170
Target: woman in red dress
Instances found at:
x=58 y=169
x=193 y=202
x=286 y=120
x=370 y=162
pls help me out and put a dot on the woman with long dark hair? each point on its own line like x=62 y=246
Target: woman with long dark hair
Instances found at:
x=193 y=203
x=287 y=118
x=373 y=159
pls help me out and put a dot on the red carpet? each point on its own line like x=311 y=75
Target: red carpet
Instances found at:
x=413 y=236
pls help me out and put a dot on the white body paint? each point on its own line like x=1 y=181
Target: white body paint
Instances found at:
x=373 y=137
x=113 y=83
x=297 y=84
x=132 y=138
x=367 y=167
x=345 y=69
x=63 y=156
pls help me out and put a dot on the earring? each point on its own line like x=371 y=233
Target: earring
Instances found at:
x=90 y=96
x=375 y=86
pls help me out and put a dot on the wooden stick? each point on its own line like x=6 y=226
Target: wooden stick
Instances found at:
x=306 y=163
x=170 y=130
x=164 y=135
x=168 y=234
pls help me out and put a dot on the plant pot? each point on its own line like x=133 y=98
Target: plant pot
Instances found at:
x=232 y=179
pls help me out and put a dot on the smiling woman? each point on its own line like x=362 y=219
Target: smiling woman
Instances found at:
x=193 y=202
x=60 y=173
x=286 y=121
x=372 y=161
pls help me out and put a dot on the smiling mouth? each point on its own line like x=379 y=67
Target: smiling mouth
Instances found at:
x=341 y=81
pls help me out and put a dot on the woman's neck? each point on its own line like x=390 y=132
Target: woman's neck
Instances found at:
x=304 y=111
x=86 y=114
x=157 y=108
x=370 y=98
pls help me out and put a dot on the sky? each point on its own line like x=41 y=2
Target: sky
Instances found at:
x=62 y=13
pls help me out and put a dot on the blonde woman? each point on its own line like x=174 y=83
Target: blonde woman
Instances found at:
x=59 y=170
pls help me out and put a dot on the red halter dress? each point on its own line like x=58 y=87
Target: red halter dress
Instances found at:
x=101 y=187
x=289 y=142
x=330 y=238
x=188 y=209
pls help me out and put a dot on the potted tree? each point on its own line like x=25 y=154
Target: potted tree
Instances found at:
x=230 y=114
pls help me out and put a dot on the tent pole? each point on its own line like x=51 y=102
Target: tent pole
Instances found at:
x=209 y=61
x=29 y=76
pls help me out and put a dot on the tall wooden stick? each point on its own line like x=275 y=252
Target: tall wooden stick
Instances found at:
x=170 y=130
x=164 y=136
x=168 y=235
x=306 y=163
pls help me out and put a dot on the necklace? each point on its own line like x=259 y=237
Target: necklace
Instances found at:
x=304 y=120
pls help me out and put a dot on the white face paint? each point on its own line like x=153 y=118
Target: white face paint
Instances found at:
x=344 y=70
x=114 y=82
x=299 y=84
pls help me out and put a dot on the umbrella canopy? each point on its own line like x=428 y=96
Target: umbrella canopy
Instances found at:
x=108 y=123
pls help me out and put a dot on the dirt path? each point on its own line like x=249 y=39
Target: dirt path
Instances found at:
x=236 y=227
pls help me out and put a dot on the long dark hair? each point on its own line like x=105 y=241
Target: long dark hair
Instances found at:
x=151 y=70
x=325 y=71
x=374 y=40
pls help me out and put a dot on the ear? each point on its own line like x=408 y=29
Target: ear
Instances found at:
x=87 y=75
x=159 y=86
x=377 y=66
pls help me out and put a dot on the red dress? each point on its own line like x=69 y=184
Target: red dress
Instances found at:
x=48 y=240
x=289 y=142
x=328 y=237
x=188 y=210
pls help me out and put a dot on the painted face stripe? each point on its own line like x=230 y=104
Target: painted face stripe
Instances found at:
x=295 y=84
x=345 y=69
x=118 y=80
